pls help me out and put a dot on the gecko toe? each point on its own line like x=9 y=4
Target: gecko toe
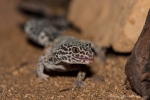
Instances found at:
x=44 y=77
x=79 y=84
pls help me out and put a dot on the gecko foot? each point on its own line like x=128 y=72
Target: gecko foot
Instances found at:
x=79 y=84
x=44 y=77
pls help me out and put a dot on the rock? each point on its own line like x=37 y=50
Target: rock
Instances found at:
x=115 y=23
x=137 y=67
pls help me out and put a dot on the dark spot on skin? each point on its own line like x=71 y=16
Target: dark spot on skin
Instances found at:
x=81 y=56
x=64 y=48
x=42 y=37
x=65 y=44
x=50 y=59
x=63 y=53
x=91 y=52
x=65 y=58
x=81 y=48
x=82 y=52
x=56 y=55
x=69 y=49
x=87 y=53
x=86 y=44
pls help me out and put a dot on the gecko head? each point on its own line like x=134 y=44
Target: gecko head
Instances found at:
x=75 y=52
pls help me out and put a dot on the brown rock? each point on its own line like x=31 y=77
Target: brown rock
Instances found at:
x=137 y=67
x=115 y=23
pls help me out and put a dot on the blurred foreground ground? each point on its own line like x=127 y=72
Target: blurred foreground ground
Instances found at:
x=18 y=80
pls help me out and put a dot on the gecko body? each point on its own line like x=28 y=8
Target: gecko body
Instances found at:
x=62 y=53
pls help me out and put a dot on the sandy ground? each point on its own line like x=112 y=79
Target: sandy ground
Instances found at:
x=18 y=79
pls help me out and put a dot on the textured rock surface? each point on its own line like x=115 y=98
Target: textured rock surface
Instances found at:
x=137 y=68
x=115 y=23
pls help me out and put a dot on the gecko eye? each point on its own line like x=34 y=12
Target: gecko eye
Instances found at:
x=88 y=44
x=75 y=50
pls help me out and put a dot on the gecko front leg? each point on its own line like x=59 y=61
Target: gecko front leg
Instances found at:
x=40 y=68
x=47 y=63
x=44 y=62
x=40 y=71
x=81 y=74
x=80 y=79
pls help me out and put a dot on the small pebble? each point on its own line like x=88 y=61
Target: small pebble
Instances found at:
x=1 y=89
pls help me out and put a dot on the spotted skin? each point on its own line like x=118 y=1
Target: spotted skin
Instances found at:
x=61 y=52
x=41 y=31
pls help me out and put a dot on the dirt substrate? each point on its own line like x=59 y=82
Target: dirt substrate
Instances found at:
x=18 y=59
